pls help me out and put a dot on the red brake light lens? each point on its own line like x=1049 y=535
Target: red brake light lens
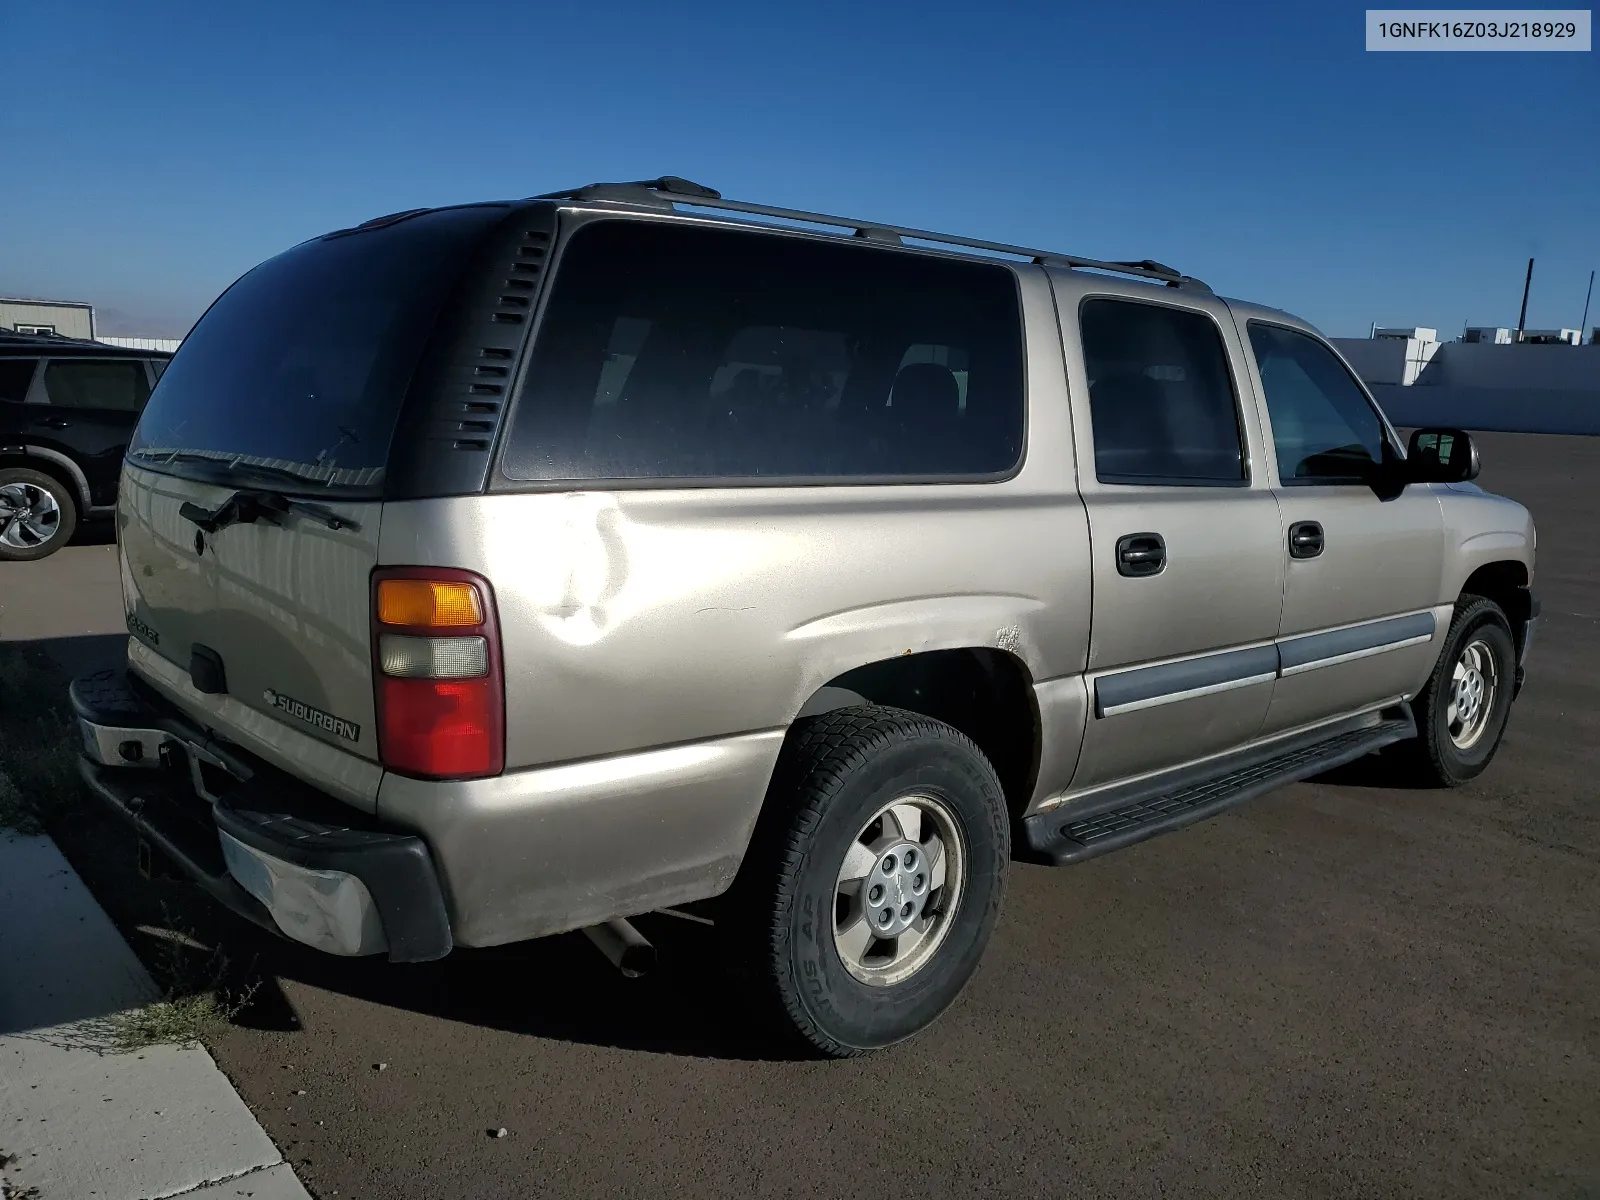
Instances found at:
x=437 y=727
x=440 y=695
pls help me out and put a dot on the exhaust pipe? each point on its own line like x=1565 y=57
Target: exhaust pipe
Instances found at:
x=625 y=946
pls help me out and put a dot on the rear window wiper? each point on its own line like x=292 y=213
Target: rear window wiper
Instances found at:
x=229 y=464
x=248 y=506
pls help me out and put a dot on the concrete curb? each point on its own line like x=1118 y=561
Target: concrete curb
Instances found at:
x=83 y=1122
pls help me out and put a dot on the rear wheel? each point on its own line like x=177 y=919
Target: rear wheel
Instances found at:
x=37 y=514
x=1462 y=711
x=875 y=877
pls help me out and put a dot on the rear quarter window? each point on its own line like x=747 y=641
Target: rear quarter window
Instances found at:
x=677 y=352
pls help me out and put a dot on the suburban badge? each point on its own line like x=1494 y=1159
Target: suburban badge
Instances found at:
x=301 y=711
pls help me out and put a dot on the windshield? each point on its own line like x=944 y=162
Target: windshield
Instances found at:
x=298 y=372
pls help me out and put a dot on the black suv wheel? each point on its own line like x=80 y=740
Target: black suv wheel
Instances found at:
x=37 y=514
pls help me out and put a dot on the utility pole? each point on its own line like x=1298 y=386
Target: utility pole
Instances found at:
x=1527 y=283
x=1586 y=295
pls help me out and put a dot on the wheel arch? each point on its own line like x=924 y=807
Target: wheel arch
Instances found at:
x=984 y=692
x=1505 y=581
x=53 y=463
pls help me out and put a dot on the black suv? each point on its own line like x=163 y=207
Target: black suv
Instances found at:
x=67 y=410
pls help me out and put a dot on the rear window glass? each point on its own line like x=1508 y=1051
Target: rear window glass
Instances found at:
x=680 y=352
x=119 y=386
x=298 y=372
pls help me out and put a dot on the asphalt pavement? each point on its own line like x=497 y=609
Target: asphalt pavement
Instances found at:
x=1340 y=989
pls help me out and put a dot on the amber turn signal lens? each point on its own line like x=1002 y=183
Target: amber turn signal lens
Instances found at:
x=429 y=603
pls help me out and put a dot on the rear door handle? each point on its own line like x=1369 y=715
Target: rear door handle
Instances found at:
x=1305 y=539
x=1141 y=554
x=55 y=423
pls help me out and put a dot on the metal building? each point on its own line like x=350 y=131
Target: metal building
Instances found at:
x=65 y=318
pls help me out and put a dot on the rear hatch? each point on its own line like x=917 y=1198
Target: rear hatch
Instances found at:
x=251 y=500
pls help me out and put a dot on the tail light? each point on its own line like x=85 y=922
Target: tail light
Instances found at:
x=436 y=668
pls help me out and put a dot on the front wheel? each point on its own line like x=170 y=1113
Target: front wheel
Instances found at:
x=1463 y=709
x=876 y=875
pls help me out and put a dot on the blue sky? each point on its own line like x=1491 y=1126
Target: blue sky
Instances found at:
x=154 y=152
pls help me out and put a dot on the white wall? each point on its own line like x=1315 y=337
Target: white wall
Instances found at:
x=1376 y=360
x=1511 y=388
x=1509 y=410
x=134 y=343
x=1481 y=365
x=1386 y=359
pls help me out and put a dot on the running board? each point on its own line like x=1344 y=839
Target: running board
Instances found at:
x=1057 y=839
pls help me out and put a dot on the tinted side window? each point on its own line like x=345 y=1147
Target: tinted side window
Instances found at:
x=1323 y=428
x=680 y=352
x=1161 y=397
x=15 y=376
x=122 y=386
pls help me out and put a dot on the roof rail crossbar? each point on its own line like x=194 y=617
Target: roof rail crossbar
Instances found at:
x=652 y=192
x=670 y=190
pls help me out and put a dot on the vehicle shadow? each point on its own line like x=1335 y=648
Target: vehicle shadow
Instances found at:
x=1383 y=769
x=559 y=987
x=94 y=531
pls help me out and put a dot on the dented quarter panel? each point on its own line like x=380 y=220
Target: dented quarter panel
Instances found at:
x=645 y=618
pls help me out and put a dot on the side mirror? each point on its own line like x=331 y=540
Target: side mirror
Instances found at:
x=1441 y=456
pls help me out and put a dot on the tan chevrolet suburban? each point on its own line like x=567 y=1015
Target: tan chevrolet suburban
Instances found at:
x=514 y=568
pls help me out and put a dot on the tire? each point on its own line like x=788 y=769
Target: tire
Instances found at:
x=1449 y=750
x=37 y=514
x=836 y=776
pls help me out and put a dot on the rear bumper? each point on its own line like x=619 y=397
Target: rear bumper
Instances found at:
x=269 y=847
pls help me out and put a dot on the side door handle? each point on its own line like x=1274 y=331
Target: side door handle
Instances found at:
x=1305 y=539
x=1141 y=554
x=56 y=423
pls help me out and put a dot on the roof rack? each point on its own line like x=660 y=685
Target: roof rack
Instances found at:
x=670 y=190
